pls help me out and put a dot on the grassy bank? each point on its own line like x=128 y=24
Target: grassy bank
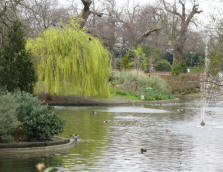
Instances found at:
x=129 y=86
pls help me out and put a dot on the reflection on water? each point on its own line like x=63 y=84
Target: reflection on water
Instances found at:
x=174 y=140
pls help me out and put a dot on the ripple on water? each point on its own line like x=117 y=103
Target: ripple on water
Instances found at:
x=130 y=109
x=173 y=140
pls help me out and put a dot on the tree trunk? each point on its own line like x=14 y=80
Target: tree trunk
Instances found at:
x=177 y=54
x=85 y=12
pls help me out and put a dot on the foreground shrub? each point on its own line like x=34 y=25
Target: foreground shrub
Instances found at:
x=8 y=119
x=38 y=122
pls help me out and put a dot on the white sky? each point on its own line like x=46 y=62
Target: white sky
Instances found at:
x=205 y=5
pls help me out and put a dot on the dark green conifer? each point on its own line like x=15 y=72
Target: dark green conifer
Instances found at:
x=16 y=68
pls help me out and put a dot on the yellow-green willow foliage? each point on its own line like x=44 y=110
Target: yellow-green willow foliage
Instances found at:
x=70 y=62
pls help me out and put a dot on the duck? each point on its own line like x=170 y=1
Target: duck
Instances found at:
x=142 y=150
x=93 y=113
x=202 y=123
x=180 y=110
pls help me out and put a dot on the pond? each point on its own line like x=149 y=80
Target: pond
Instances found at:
x=111 y=139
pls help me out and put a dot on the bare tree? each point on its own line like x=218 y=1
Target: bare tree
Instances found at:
x=108 y=24
x=180 y=23
x=194 y=43
x=39 y=15
x=86 y=11
x=138 y=24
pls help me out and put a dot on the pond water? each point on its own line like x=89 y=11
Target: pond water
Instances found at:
x=170 y=132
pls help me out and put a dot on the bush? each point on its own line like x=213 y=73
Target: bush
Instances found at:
x=154 y=94
x=8 y=119
x=136 y=59
x=183 y=88
x=16 y=68
x=215 y=65
x=125 y=62
x=184 y=83
x=38 y=122
x=135 y=84
x=116 y=63
x=168 y=56
x=163 y=65
x=178 y=68
x=132 y=81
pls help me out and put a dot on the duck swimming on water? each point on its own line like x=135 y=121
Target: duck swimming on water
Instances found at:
x=142 y=150
x=93 y=113
x=202 y=123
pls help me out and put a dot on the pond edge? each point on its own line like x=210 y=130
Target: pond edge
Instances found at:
x=62 y=144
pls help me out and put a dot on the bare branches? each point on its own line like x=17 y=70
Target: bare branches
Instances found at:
x=187 y=18
x=179 y=29
x=8 y=14
x=97 y=13
x=4 y=9
x=148 y=33
x=173 y=11
x=192 y=13
x=8 y=9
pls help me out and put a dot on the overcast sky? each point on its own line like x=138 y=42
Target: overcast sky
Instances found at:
x=206 y=5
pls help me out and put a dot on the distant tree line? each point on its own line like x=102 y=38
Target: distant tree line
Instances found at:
x=162 y=25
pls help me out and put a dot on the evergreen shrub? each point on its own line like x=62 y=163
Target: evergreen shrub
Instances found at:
x=38 y=122
x=16 y=67
x=178 y=68
x=8 y=117
x=163 y=65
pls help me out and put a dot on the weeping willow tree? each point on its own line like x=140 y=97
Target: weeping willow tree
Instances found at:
x=70 y=62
